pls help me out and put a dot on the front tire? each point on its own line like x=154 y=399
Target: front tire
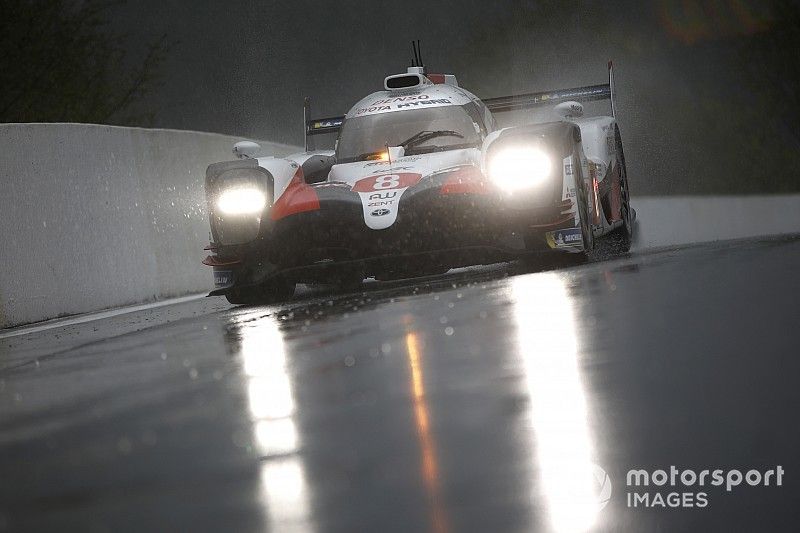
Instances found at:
x=272 y=291
x=350 y=279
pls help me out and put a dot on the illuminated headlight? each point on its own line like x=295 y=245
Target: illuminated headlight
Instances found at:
x=517 y=168
x=241 y=201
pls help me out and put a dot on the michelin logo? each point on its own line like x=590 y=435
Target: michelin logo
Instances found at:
x=565 y=238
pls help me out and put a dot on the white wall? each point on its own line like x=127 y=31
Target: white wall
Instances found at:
x=94 y=216
x=667 y=221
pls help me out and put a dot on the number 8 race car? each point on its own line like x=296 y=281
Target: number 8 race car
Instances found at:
x=421 y=180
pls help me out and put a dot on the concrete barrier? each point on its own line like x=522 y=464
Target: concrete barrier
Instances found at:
x=93 y=217
x=673 y=220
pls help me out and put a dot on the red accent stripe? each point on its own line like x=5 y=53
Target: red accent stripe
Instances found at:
x=437 y=79
x=298 y=197
x=593 y=192
x=466 y=180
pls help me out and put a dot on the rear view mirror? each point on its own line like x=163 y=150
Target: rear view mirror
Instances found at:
x=246 y=149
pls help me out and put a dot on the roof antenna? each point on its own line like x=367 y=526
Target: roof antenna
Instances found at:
x=419 y=55
x=414 y=58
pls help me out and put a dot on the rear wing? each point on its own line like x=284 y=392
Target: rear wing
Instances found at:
x=499 y=104
x=317 y=126
x=324 y=125
x=579 y=94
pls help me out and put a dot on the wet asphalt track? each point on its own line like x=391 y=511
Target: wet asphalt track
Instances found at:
x=468 y=403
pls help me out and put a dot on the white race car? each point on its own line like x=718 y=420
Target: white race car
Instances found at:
x=421 y=180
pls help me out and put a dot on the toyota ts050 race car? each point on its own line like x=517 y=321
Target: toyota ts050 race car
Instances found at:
x=421 y=180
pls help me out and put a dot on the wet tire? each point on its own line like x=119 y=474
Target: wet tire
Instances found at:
x=622 y=237
x=271 y=292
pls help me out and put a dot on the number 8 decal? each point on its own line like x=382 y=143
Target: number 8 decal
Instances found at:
x=389 y=181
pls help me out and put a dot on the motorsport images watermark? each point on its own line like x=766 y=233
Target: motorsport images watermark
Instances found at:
x=686 y=488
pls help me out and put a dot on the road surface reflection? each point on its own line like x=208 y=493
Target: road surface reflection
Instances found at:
x=548 y=346
x=552 y=466
x=272 y=409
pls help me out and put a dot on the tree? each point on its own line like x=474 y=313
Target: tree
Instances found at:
x=61 y=63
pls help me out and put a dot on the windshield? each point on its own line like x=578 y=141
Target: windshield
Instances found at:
x=361 y=138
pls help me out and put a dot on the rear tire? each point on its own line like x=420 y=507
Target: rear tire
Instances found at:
x=622 y=237
x=270 y=292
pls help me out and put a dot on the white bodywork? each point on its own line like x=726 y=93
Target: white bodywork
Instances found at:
x=381 y=184
x=417 y=98
x=600 y=149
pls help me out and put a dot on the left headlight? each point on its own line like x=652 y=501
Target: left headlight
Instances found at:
x=241 y=201
x=518 y=168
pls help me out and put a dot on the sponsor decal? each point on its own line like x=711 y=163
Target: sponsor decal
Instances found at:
x=382 y=182
x=424 y=102
x=402 y=99
x=380 y=212
x=223 y=278
x=372 y=109
x=569 y=191
x=394 y=169
x=326 y=124
x=400 y=102
x=565 y=238
x=382 y=199
x=383 y=195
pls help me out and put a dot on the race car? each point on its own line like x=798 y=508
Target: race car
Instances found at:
x=421 y=180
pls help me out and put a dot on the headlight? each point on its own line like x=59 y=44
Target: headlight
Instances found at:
x=517 y=168
x=241 y=201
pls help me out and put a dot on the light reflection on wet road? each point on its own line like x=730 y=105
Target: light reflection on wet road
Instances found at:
x=473 y=402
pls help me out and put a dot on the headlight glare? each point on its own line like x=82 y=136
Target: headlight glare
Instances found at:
x=241 y=201
x=517 y=168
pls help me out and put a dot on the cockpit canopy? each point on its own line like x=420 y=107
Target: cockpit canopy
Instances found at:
x=366 y=137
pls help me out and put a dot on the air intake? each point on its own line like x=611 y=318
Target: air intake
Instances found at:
x=404 y=81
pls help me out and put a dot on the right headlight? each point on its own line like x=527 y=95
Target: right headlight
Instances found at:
x=517 y=168
x=241 y=201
